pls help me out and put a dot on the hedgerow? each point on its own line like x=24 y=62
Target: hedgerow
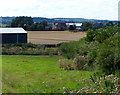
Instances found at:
x=100 y=48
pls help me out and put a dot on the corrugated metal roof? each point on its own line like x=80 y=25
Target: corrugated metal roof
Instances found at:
x=77 y=24
x=11 y=30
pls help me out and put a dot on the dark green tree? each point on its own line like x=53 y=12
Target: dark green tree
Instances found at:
x=72 y=27
x=86 y=26
x=110 y=24
x=98 y=25
x=38 y=26
x=22 y=21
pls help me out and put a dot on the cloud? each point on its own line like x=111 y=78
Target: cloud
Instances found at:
x=98 y=9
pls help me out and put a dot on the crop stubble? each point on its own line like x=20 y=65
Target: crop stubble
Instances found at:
x=53 y=37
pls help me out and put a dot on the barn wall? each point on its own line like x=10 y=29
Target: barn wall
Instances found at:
x=9 y=38
x=23 y=38
x=12 y=38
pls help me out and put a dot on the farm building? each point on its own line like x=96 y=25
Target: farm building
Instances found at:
x=13 y=35
x=59 y=26
x=78 y=25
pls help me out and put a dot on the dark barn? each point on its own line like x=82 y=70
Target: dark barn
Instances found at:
x=13 y=35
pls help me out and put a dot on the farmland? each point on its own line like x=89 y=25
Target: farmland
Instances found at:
x=90 y=65
x=53 y=37
x=38 y=74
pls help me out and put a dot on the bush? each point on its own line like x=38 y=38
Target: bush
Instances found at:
x=71 y=49
x=108 y=58
x=68 y=50
x=66 y=64
x=79 y=62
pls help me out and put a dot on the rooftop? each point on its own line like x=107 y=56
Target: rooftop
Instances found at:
x=11 y=30
x=77 y=24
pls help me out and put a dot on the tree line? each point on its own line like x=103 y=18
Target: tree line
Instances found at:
x=28 y=24
x=88 y=25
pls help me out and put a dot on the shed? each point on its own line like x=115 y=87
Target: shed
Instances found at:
x=13 y=35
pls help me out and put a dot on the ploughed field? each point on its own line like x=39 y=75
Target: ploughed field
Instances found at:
x=38 y=74
x=53 y=37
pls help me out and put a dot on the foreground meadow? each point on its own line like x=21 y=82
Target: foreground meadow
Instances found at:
x=38 y=74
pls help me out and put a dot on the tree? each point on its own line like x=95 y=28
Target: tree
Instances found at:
x=38 y=26
x=22 y=21
x=110 y=24
x=101 y=35
x=97 y=26
x=43 y=25
x=86 y=26
x=72 y=27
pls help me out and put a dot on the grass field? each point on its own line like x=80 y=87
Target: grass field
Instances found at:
x=53 y=37
x=38 y=74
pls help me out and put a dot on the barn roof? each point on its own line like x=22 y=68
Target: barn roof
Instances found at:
x=11 y=30
x=77 y=24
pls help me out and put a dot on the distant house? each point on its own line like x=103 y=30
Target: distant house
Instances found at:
x=13 y=35
x=59 y=26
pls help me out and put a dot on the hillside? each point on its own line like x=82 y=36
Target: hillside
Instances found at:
x=8 y=20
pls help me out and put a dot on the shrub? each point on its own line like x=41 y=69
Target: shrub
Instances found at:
x=90 y=35
x=108 y=58
x=79 y=62
x=68 y=49
x=66 y=64
x=71 y=49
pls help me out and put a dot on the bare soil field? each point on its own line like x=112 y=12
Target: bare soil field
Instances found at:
x=53 y=37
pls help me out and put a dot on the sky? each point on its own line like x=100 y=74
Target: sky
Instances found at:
x=89 y=9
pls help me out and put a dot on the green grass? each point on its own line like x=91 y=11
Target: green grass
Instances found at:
x=38 y=74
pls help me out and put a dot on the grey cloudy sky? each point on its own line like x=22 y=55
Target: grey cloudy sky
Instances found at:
x=91 y=9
